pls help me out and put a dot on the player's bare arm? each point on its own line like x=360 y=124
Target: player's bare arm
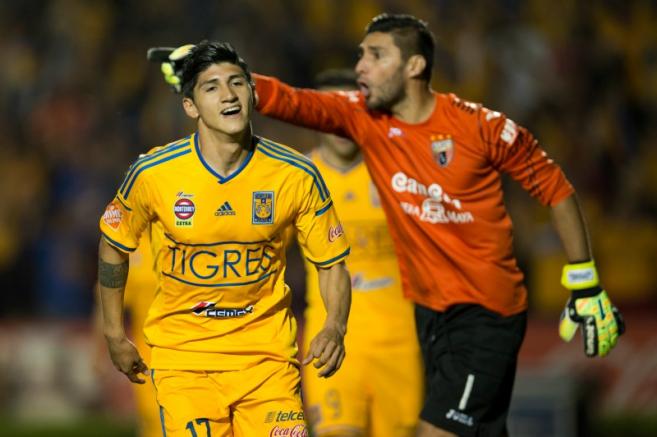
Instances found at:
x=327 y=348
x=569 y=222
x=589 y=305
x=112 y=277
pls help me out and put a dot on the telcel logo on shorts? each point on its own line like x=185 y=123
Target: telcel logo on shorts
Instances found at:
x=289 y=431
x=284 y=416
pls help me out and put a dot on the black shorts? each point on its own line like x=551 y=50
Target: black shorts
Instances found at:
x=470 y=356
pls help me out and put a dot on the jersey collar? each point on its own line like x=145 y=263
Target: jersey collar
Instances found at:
x=221 y=179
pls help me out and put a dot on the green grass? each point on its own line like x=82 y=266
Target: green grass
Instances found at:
x=89 y=427
x=626 y=425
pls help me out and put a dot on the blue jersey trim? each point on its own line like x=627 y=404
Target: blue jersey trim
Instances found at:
x=231 y=284
x=323 y=263
x=222 y=180
x=153 y=164
x=117 y=244
x=218 y=243
x=294 y=164
x=164 y=429
x=323 y=210
x=122 y=203
x=297 y=157
x=170 y=148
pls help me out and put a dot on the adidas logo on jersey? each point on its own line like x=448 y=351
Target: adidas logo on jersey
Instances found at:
x=225 y=209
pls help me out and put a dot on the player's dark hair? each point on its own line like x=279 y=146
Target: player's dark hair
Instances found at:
x=202 y=56
x=410 y=34
x=337 y=78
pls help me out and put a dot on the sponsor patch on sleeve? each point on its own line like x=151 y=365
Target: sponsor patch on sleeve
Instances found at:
x=113 y=215
x=335 y=232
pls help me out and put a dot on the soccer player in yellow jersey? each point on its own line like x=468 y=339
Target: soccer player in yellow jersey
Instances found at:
x=378 y=392
x=223 y=357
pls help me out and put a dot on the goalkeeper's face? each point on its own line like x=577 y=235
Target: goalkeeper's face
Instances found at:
x=222 y=99
x=380 y=71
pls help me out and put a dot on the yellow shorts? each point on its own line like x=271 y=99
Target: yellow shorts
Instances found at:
x=261 y=401
x=377 y=392
x=148 y=413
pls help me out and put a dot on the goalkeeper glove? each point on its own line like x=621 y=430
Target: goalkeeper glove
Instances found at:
x=171 y=61
x=590 y=307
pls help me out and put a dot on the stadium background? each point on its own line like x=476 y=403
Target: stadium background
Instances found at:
x=79 y=102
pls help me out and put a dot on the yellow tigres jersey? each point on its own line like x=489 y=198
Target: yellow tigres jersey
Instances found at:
x=377 y=299
x=221 y=302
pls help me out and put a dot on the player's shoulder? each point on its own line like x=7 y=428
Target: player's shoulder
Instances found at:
x=469 y=109
x=459 y=106
x=164 y=155
x=281 y=155
x=155 y=159
x=285 y=159
x=178 y=145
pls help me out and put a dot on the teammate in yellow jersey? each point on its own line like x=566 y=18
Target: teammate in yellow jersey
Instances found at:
x=378 y=391
x=222 y=335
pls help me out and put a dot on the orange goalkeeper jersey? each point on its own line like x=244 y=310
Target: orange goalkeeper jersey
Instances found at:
x=441 y=188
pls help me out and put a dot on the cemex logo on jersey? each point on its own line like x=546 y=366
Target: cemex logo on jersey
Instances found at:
x=208 y=309
x=289 y=431
x=442 y=147
x=225 y=209
x=184 y=210
x=283 y=416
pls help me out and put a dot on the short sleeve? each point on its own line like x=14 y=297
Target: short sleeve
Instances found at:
x=127 y=215
x=319 y=231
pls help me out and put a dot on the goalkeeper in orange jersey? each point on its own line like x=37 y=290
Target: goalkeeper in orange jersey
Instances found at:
x=222 y=336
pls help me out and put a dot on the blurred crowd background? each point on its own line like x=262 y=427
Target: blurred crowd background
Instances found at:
x=79 y=102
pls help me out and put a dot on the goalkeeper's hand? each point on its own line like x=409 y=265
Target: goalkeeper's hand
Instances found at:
x=171 y=61
x=590 y=307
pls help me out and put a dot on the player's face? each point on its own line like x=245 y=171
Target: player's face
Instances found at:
x=223 y=99
x=380 y=71
x=340 y=146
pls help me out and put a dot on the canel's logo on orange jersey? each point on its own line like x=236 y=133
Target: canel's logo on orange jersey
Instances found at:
x=432 y=209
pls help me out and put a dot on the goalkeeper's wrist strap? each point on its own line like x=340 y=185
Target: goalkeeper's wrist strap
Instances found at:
x=580 y=276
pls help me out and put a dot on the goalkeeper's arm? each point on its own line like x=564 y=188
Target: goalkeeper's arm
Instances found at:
x=589 y=305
